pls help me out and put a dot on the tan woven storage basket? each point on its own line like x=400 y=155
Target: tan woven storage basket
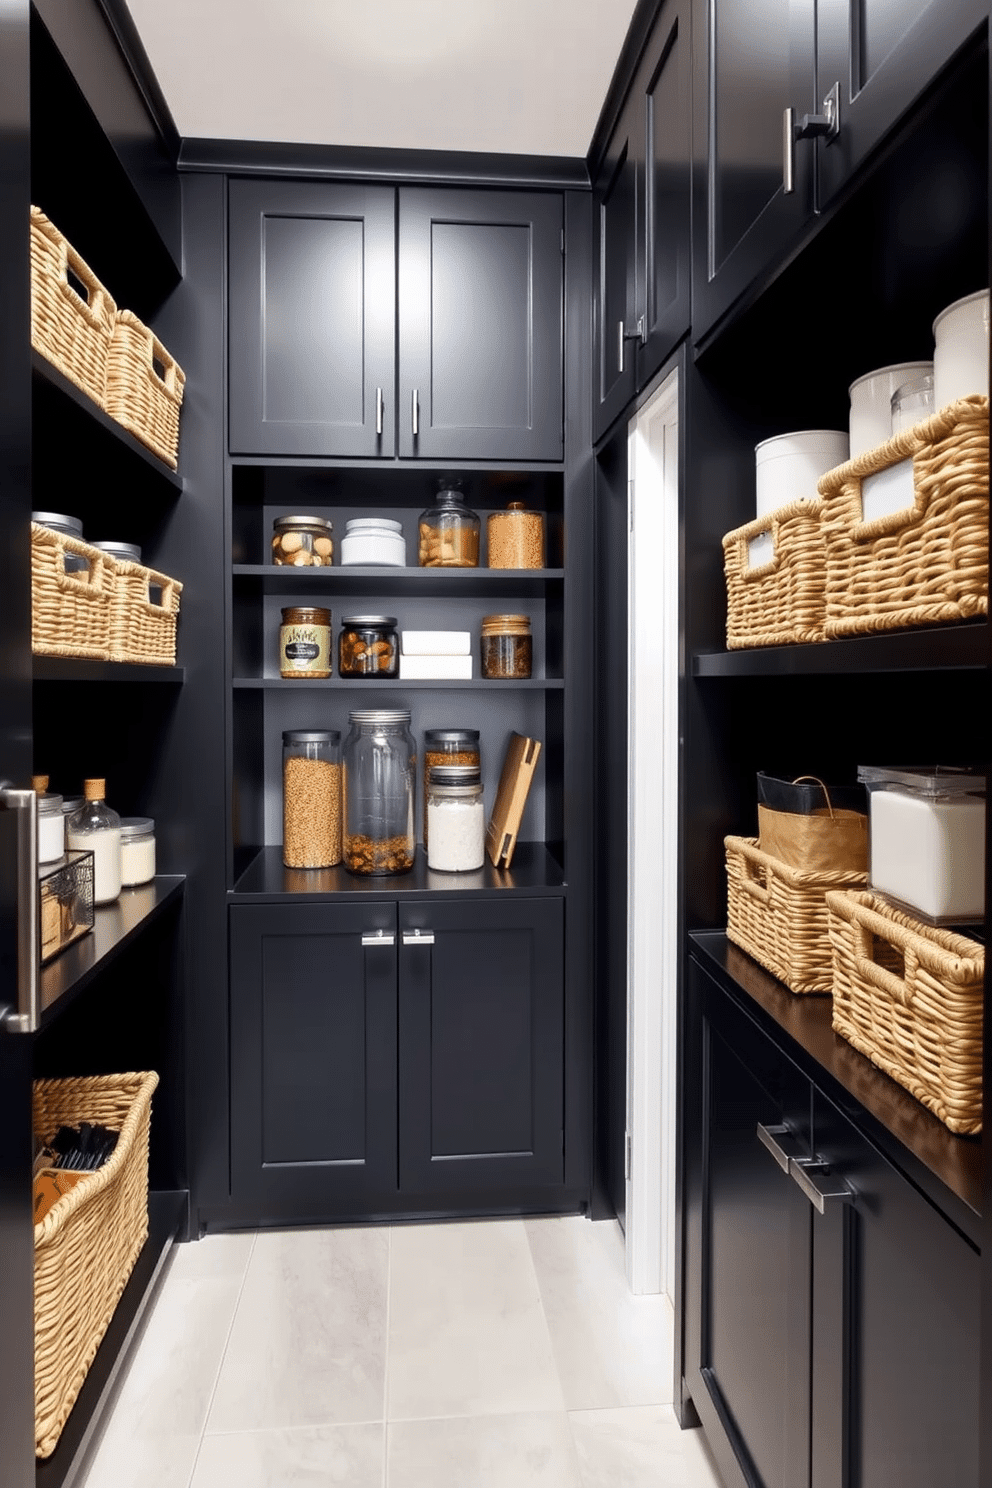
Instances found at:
x=71 y=332
x=143 y=626
x=86 y=1246
x=782 y=601
x=144 y=387
x=924 y=565
x=70 y=612
x=779 y=914
x=909 y=996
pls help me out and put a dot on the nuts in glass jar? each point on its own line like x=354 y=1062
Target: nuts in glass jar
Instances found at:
x=368 y=646
x=302 y=542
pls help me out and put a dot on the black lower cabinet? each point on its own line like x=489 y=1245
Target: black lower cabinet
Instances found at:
x=389 y=1058
x=831 y=1331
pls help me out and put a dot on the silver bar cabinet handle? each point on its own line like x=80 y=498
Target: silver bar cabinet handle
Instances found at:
x=28 y=1015
x=623 y=334
x=768 y=1137
x=820 y=1186
x=379 y=407
x=788 y=151
x=378 y=938
x=418 y=937
x=416 y=413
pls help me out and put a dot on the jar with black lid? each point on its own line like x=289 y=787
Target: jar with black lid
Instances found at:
x=305 y=642
x=368 y=646
x=448 y=746
x=507 y=646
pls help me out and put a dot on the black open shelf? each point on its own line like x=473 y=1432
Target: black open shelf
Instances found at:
x=378 y=684
x=82 y=669
x=945 y=1167
x=534 y=872
x=964 y=646
x=115 y=926
x=167 y=1217
x=452 y=583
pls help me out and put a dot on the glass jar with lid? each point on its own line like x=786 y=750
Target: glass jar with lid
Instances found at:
x=303 y=542
x=368 y=646
x=97 y=829
x=305 y=642
x=448 y=532
x=379 y=774
x=137 y=851
x=456 y=818
x=515 y=537
x=51 y=822
x=69 y=527
x=311 y=798
x=452 y=746
x=507 y=646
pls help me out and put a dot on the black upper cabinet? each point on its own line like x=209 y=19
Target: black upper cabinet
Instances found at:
x=789 y=101
x=318 y=338
x=312 y=335
x=643 y=198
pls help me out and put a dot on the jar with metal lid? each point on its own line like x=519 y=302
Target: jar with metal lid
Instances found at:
x=368 y=646
x=124 y=552
x=516 y=537
x=51 y=822
x=507 y=646
x=912 y=402
x=96 y=828
x=454 y=746
x=311 y=798
x=448 y=532
x=303 y=542
x=69 y=527
x=379 y=774
x=456 y=818
x=305 y=642
x=137 y=851
x=377 y=542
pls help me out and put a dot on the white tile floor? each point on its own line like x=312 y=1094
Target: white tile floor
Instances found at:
x=496 y=1354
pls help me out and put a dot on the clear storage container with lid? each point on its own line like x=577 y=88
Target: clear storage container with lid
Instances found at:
x=71 y=527
x=368 y=646
x=311 y=798
x=125 y=552
x=379 y=774
x=456 y=818
x=507 y=646
x=926 y=840
x=137 y=851
x=912 y=402
x=453 y=746
x=97 y=829
x=449 y=531
x=303 y=542
x=375 y=541
x=515 y=537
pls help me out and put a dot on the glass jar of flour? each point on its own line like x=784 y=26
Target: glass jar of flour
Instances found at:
x=137 y=851
x=97 y=829
x=456 y=827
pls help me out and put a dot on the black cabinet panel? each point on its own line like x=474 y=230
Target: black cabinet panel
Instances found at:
x=663 y=88
x=615 y=309
x=480 y=325
x=312 y=300
x=481 y=1039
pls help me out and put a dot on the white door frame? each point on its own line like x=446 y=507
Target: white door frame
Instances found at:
x=652 y=836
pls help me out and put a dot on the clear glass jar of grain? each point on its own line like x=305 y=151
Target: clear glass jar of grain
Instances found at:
x=311 y=798
x=507 y=647
x=448 y=746
x=515 y=537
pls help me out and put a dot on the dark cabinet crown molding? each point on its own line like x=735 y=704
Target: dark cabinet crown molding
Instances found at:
x=639 y=31
x=403 y=167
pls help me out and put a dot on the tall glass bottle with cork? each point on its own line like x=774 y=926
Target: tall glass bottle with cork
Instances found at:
x=97 y=829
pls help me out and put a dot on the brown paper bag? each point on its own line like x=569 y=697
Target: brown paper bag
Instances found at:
x=821 y=842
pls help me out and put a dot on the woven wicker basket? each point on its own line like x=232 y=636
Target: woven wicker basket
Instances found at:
x=86 y=1246
x=780 y=602
x=926 y=564
x=778 y=914
x=143 y=626
x=70 y=331
x=70 y=612
x=144 y=387
x=909 y=996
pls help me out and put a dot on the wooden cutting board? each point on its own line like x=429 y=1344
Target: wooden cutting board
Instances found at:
x=518 y=771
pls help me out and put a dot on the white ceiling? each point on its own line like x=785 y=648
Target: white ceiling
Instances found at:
x=518 y=76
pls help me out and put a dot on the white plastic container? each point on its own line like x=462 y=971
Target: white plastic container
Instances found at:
x=926 y=842
x=871 y=403
x=961 y=349
x=788 y=467
x=51 y=828
x=373 y=541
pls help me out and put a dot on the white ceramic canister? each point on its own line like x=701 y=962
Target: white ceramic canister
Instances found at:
x=137 y=851
x=377 y=541
x=788 y=467
x=51 y=828
x=961 y=349
x=927 y=840
x=871 y=403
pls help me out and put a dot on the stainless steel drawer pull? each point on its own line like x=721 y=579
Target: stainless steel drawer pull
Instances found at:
x=24 y=805
x=623 y=334
x=768 y=1137
x=415 y=402
x=820 y=1186
x=379 y=409
x=378 y=938
x=788 y=151
x=418 y=937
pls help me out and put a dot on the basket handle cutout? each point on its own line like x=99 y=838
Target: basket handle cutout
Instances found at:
x=77 y=285
x=867 y=949
x=755 y=880
x=161 y=363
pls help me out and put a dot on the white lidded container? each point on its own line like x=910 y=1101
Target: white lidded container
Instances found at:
x=871 y=403
x=961 y=349
x=137 y=851
x=788 y=466
x=456 y=823
x=97 y=829
x=926 y=840
x=376 y=541
x=51 y=828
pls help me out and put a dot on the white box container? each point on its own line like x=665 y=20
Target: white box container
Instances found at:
x=926 y=840
x=435 y=668
x=961 y=349
x=871 y=404
x=375 y=542
x=788 y=467
x=436 y=642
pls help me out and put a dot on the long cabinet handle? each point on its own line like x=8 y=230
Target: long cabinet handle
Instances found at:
x=768 y=1137
x=378 y=938
x=820 y=1186
x=624 y=334
x=415 y=413
x=788 y=151
x=380 y=404
x=28 y=1014
x=418 y=937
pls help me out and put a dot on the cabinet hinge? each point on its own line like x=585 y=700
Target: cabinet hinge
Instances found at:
x=627 y=1156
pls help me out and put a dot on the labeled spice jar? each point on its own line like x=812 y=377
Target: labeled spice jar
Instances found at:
x=454 y=746
x=303 y=542
x=456 y=818
x=97 y=829
x=368 y=646
x=305 y=642
x=311 y=798
x=516 y=537
x=507 y=646
x=379 y=773
x=448 y=532
x=137 y=851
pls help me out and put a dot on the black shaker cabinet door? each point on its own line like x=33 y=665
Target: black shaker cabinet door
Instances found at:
x=480 y=325
x=312 y=318
x=481 y=1038
x=617 y=314
x=313 y=1058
